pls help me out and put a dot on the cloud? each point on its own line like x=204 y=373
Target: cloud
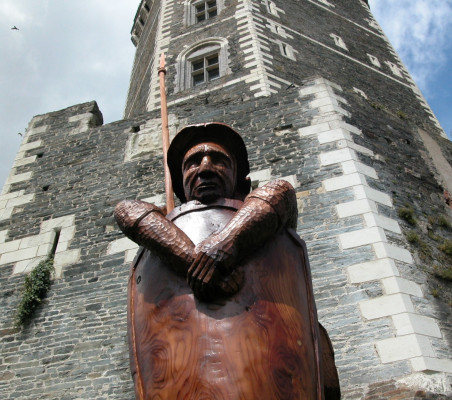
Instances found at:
x=65 y=53
x=419 y=31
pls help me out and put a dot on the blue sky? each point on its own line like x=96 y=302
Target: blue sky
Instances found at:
x=67 y=53
x=421 y=32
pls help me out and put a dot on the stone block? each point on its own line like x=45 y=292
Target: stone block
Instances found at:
x=374 y=219
x=80 y=117
x=337 y=156
x=361 y=237
x=130 y=254
x=384 y=250
x=314 y=129
x=344 y=181
x=385 y=306
x=3 y=236
x=158 y=200
x=44 y=249
x=12 y=195
x=24 y=161
x=7 y=247
x=26 y=266
x=19 y=177
x=333 y=109
x=365 y=192
x=18 y=255
x=264 y=175
x=62 y=246
x=306 y=91
x=406 y=324
x=67 y=234
x=322 y=101
x=358 y=148
x=292 y=179
x=39 y=129
x=65 y=258
x=372 y=270
x=319 y=119
x=60 y=222
x=6 y=213
x=37 y=240
x=404 y=348
x=120 y=245
x=6 y=188
x=31 y=145
x=343 y=125
x=356 y=207
x=333 y=135
x=350 y=167
x=432 y=364
x=400 y=285
x=322 y=95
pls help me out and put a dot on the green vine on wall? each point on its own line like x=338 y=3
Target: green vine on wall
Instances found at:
x=36 y=285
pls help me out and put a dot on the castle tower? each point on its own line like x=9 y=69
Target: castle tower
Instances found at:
x=323 y=101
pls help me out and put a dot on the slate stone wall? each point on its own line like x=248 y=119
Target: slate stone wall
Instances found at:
x=77 y=342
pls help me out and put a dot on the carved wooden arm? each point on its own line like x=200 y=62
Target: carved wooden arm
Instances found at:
x=265 y=211
x=145 y=224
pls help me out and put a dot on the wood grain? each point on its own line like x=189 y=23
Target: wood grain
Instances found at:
x=258 y=344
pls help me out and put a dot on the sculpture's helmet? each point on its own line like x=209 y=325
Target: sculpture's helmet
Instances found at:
x=216 y=132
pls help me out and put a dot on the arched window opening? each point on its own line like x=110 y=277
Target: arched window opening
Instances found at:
x=201 y=63
x=205 y=65
x=201 y=10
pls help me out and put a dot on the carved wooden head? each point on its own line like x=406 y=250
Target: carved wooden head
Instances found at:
x=208 y=162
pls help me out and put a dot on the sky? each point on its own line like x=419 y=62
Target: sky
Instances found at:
x=70 y=52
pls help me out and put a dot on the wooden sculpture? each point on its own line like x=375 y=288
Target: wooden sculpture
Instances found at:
x=220 y=296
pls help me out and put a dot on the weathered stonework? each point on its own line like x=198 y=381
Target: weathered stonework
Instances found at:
x=352 y=135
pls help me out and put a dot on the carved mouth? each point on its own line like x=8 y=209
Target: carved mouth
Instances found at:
x=206 y=185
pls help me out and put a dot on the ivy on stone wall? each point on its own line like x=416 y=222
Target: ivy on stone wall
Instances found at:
x=36 y=285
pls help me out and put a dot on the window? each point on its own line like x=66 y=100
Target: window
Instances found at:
x=373 y=23
x=205 y=9
x=286 y=49
x=338 y=41
x=203 y=62
x=394 y=69
x=374 y=60
x=272 y=8
x=205 y=69
x=200 y=10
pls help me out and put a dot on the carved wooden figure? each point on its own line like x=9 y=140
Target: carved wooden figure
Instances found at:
x=220 y=296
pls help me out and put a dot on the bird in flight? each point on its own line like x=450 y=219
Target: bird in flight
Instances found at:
x=15 y=28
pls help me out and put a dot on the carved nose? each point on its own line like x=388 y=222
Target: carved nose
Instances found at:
x=206 y=164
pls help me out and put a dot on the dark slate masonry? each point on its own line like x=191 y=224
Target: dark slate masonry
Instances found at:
x=321 y=100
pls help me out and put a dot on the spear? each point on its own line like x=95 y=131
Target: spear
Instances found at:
x=165 y=135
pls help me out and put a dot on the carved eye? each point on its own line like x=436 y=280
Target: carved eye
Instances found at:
x=221 y=160
x=192 y=162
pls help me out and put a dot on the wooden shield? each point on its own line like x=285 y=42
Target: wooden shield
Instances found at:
x=261 y=343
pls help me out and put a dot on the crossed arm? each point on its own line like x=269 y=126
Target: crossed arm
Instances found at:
x=211 y=267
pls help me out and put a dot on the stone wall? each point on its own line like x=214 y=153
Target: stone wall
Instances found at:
x=348 y=201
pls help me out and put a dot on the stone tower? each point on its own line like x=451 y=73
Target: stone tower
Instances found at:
x=323 y=101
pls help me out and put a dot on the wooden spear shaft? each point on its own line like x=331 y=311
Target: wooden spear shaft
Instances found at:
x=165 y=135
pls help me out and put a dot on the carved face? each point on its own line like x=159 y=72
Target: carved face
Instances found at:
x=209 y=173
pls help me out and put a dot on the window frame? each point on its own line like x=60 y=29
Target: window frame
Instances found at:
x=206 y=67
x=206 y=11
x=202 y=50
x=191 y=14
